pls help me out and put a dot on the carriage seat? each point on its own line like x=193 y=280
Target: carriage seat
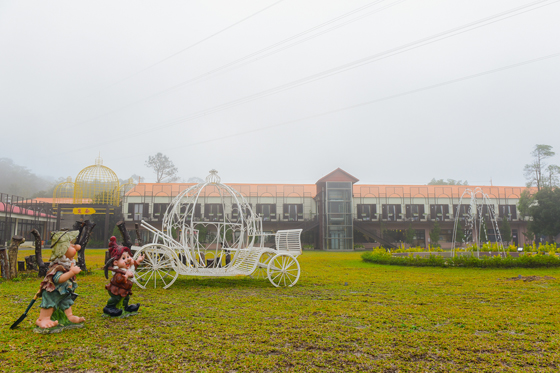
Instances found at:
x=289 y=240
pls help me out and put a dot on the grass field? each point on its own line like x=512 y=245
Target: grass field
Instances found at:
x=344 y=315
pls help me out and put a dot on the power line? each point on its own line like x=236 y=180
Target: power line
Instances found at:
x=365 y=103
x=251 y=57
x=352 y=65
x=345 y=67
x=179 y=52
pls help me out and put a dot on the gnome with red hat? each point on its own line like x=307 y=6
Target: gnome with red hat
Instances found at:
x=120 y=287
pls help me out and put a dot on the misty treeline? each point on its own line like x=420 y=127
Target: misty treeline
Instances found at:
x=435 y=181
x=20 y=181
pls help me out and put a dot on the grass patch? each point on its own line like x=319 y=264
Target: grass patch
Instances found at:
x=385 y=319
x=469 y=261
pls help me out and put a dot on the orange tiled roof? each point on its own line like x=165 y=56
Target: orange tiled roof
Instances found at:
x=435 y=191
x=310 y=190
x=248 y=190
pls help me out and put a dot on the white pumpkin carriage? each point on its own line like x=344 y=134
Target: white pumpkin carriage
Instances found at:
x=218 y=244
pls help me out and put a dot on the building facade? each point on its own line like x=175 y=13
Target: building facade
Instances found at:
x=337 y=213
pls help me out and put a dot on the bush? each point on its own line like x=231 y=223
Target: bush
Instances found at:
x=469 y=261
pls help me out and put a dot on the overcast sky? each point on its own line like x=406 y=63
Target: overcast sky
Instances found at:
x=393 y=92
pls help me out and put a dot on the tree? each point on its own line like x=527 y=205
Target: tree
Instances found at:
x=525 y=200
x=552 y=179
x=409 y=235
x=483 y=234
x=505 y=230
x=534 y=170
x=195 y=179
x=165 y=170
x=459 y=233
x=21 y=181
x=447 y=182
x=434 y=234
x=545 y=213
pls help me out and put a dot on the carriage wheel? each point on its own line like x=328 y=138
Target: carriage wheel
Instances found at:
x=157 y=268
x=261 y=270
x=283 y=270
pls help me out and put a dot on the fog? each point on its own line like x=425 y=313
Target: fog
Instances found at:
x=282 y=91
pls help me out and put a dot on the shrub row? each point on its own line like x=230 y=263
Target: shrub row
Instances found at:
x=524 y=261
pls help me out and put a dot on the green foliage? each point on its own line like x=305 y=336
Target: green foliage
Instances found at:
x=202 y=232
x=545 y=213
x=409 y=235
x=525 y=200
x=434 y=234
x=505 y=230
x=460 y=233
x=432 y=260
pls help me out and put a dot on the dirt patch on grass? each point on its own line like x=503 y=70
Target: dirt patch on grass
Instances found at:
x=531 y=278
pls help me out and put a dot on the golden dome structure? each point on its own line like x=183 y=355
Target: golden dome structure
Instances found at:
x=64 y=192
x=97 y=184
x=125 y=188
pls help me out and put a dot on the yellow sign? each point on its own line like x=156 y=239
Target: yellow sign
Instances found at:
x=83 y=211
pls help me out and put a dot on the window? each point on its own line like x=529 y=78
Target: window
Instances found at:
x=293 y=212
x=235 y=212
x=391 y=212
x=439 y=212
x=414 y=212
x=338 y=216
x=507 y=211
x=463 y=210
x=187 y=209
x=138 y=211
x=159 y=210
x=446 y=235
x=367 y=212
x=267 y=211
x=214 y=211
x=419 y=238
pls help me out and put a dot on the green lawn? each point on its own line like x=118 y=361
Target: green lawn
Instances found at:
x=386 y=319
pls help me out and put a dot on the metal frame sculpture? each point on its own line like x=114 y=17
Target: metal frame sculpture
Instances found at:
x=97 y=184
x=234 y=246
x=474 y=220
x=64 y=192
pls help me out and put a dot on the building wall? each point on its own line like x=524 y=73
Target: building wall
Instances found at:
x=377 y=195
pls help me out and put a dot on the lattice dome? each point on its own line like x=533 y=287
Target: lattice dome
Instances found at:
x=97 y=184
x=64 y=192
x=214 y=233
x=125 y=188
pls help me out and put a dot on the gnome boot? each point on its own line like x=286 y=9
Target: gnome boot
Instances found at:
x=112 y=311
x=132 y=307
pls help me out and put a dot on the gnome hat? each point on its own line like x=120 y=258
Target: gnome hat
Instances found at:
x=115 y=251
x=61 y=242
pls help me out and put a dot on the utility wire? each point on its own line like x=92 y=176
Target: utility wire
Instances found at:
x=362 y=104
x=352 y=65
x=358 y=63
x=179 y=52
x=255 y=56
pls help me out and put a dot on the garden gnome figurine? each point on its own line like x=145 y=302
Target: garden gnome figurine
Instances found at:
x=120 y=287
x=57 y=288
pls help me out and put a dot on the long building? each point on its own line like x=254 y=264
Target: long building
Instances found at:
x=337 y=213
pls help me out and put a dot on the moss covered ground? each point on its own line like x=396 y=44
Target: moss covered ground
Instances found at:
x=343 y=316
